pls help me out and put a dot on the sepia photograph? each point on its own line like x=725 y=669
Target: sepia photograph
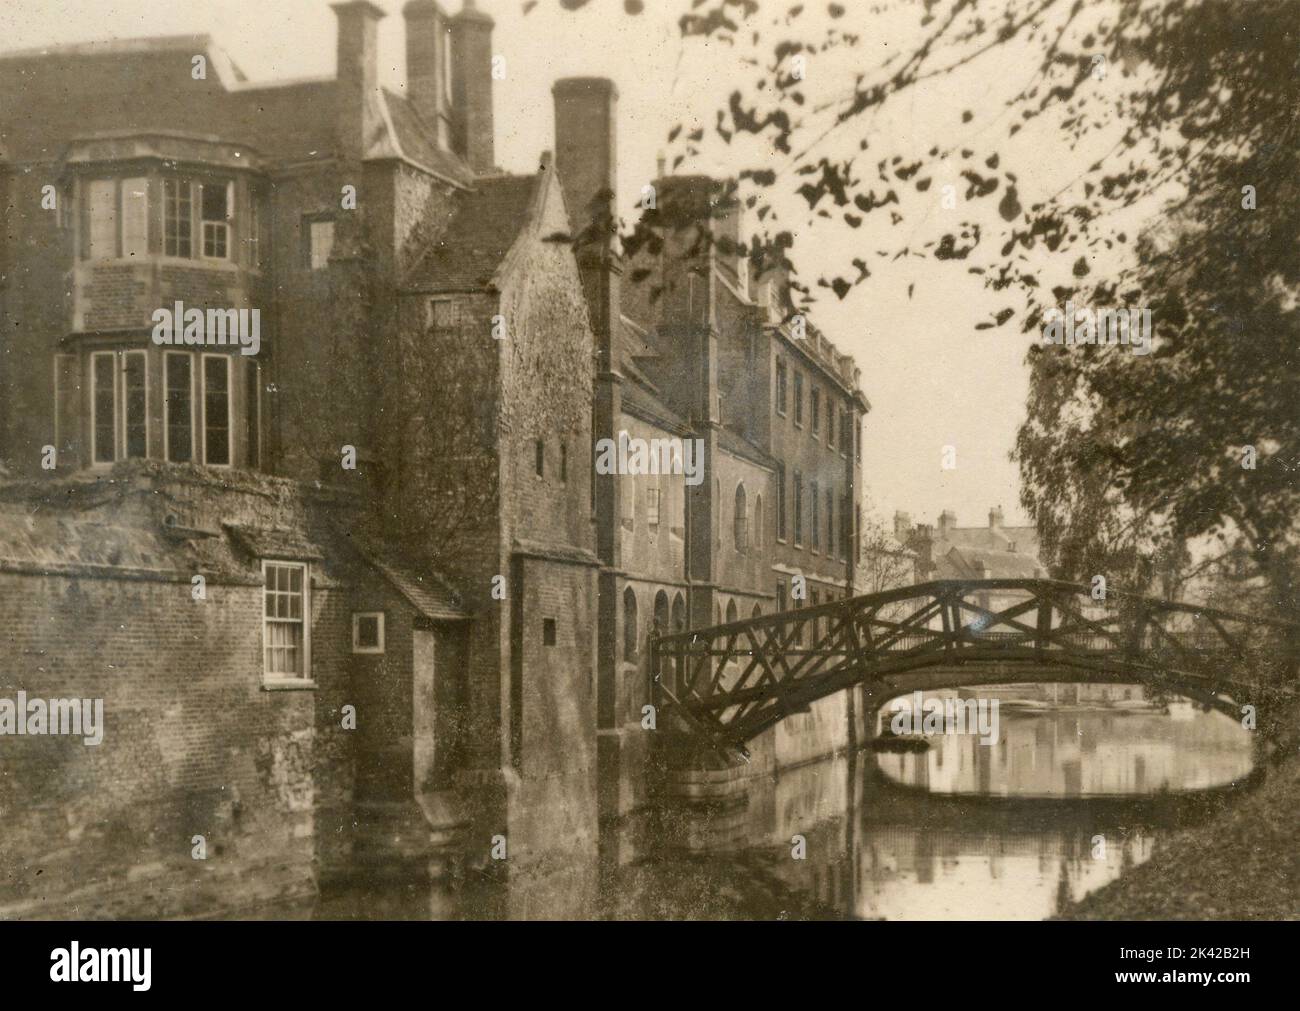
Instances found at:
x=649 y=460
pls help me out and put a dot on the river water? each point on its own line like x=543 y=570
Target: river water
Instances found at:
x=1080 y=786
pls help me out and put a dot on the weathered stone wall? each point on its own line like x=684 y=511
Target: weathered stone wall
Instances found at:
x=194 y=742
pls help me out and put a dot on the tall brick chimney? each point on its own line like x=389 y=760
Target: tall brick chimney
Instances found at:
x=586 y=158
x=947 y=520
x=428 y=65
x=471 y=86
x=995 y=518
x=358 y=76
x=586 y=147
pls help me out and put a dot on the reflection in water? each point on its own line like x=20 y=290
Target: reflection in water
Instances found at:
x=1080 y=785
x=1098 y=743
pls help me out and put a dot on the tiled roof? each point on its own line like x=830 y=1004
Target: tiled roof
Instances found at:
x=645 y=404
x=61 y=93
x=484 y=226
x=418 y=140
x=263 y=542
x=425 y=590
x=1025 y=539
x=965 y=563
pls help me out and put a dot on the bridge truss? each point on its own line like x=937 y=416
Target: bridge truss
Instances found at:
x=731 y=682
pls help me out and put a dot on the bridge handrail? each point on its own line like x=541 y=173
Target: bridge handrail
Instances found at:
x=939 y=587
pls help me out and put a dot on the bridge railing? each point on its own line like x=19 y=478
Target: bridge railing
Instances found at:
x=732 y=678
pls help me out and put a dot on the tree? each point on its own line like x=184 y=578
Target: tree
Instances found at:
x=1125 y=460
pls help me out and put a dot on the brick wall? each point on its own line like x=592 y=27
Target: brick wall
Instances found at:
x=193 y=742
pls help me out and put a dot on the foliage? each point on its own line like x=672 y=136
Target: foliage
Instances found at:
x=1125 y=460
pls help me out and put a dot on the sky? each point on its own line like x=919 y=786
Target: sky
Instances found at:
x=932 y=379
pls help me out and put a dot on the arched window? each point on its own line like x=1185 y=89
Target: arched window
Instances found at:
x=757 y=612
x=679 y=613
x=741 y=519
x=630 y=633
x=758 y=522
x=661 y=613
x=717 y=512
x=731 y=611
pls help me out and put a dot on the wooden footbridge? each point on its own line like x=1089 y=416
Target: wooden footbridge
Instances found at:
x=729 y=683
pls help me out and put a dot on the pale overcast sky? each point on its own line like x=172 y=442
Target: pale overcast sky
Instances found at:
x=932 y=379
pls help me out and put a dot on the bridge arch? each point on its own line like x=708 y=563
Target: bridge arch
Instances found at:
x=730 y=683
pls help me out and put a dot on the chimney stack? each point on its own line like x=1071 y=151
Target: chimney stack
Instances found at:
x=902 y=525
x=358 y=76
x=586 y=110
x=586 y=114
x=428 y=65
x=995 y=518
x=922 y=542
x=947 y=520
x=471 y=86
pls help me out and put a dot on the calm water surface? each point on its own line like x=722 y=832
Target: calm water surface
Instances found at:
x=1080 y=786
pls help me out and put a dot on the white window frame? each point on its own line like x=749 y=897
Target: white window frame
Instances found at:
x=305 y=678
x=310 y=222
x=182 y=183
x=356 y=628
x=60 y=395
x=204 y=222
x=122 y=402
x=431 y=306
x=167 y=407
x=124 y=216
x=95 y=461
x=230 y=412
x=115 y=186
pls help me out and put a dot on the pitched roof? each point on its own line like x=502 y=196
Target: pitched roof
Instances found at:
x=424 y=589
x=61 y=92
x=269 y=542
x=968 y=563
x=482 y=229
x=417 y=140
x=1024 y=539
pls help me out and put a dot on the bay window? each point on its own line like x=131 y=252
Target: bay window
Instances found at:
x=216 y=410
x=116 y=218
x=179 y=421
x=119 y=401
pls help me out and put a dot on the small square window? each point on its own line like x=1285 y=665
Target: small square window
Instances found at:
x=368 y=632
x=441 y=313
x=548 y=631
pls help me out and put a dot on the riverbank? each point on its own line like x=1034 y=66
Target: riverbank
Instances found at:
x=1241 y=864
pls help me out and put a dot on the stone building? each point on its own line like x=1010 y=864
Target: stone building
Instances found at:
x=236 y=551
x=688 y=349
x=995 y=551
